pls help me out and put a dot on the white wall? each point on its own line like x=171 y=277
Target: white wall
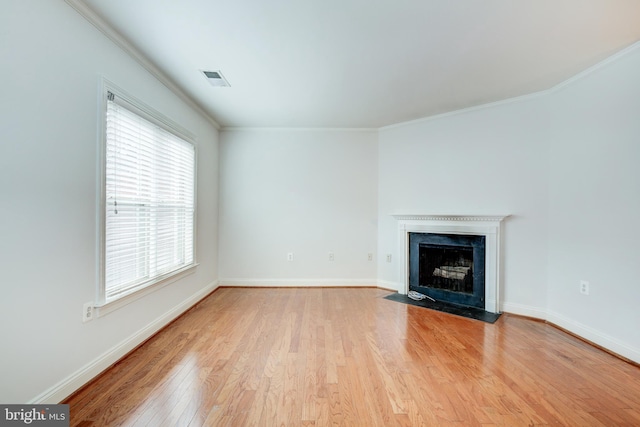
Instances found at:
x=490 y=160
x=595 y=205
x=52 y=63
x=303 y=191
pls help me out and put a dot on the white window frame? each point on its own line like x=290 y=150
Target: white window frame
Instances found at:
x=132 y=104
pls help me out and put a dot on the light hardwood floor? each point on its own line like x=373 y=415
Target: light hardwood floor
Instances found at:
x=346 y=356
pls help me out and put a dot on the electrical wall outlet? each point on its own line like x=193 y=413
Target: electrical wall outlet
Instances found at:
x=290 y=256
x=584 y=287
x=369 y=256
x=388 y=257
x=331 y=256
x=87 y=312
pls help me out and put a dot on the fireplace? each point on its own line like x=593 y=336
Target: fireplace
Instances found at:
x=468 y=230
x=448 y=267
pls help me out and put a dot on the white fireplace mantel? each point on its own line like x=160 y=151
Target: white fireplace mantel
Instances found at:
x=478 y=225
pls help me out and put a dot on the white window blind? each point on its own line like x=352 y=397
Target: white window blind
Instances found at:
x=149 y=200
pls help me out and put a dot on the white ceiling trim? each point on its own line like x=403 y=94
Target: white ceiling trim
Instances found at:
x=467 y=110
x=294 y=129
x=97 y=21
x=560 y=86
x=604 y=63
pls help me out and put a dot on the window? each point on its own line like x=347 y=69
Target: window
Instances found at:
x=149 y=206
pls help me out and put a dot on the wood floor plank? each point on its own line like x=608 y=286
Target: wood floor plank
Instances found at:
x=254 y=412
x=348 y=357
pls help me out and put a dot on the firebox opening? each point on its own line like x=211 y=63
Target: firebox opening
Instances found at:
x=448 y=267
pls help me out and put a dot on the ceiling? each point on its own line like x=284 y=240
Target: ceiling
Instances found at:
x=367 y=63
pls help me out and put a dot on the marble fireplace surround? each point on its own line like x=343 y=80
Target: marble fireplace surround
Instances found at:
x=477 y=225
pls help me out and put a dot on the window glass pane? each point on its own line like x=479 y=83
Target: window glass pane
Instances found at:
x=149 y=189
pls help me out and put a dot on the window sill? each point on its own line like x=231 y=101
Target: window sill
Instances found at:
x=109 y=306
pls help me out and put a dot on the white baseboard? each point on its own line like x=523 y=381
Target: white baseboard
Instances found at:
x=297 y=283
x=393 y=286
x=595 y=336
x=85 y=374
x=577 y=328
x=524 y=310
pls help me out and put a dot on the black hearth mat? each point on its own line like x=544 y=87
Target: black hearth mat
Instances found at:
x=469 y=312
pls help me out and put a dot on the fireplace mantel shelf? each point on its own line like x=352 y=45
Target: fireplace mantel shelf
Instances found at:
x=431 y=217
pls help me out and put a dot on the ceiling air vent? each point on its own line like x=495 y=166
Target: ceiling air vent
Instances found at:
x=215 y=78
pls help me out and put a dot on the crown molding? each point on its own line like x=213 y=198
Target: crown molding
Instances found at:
x=467 y=110
x=523 y=98
x=104 y=27
x=92 y=17
x=294 y=129
x=603 y=63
